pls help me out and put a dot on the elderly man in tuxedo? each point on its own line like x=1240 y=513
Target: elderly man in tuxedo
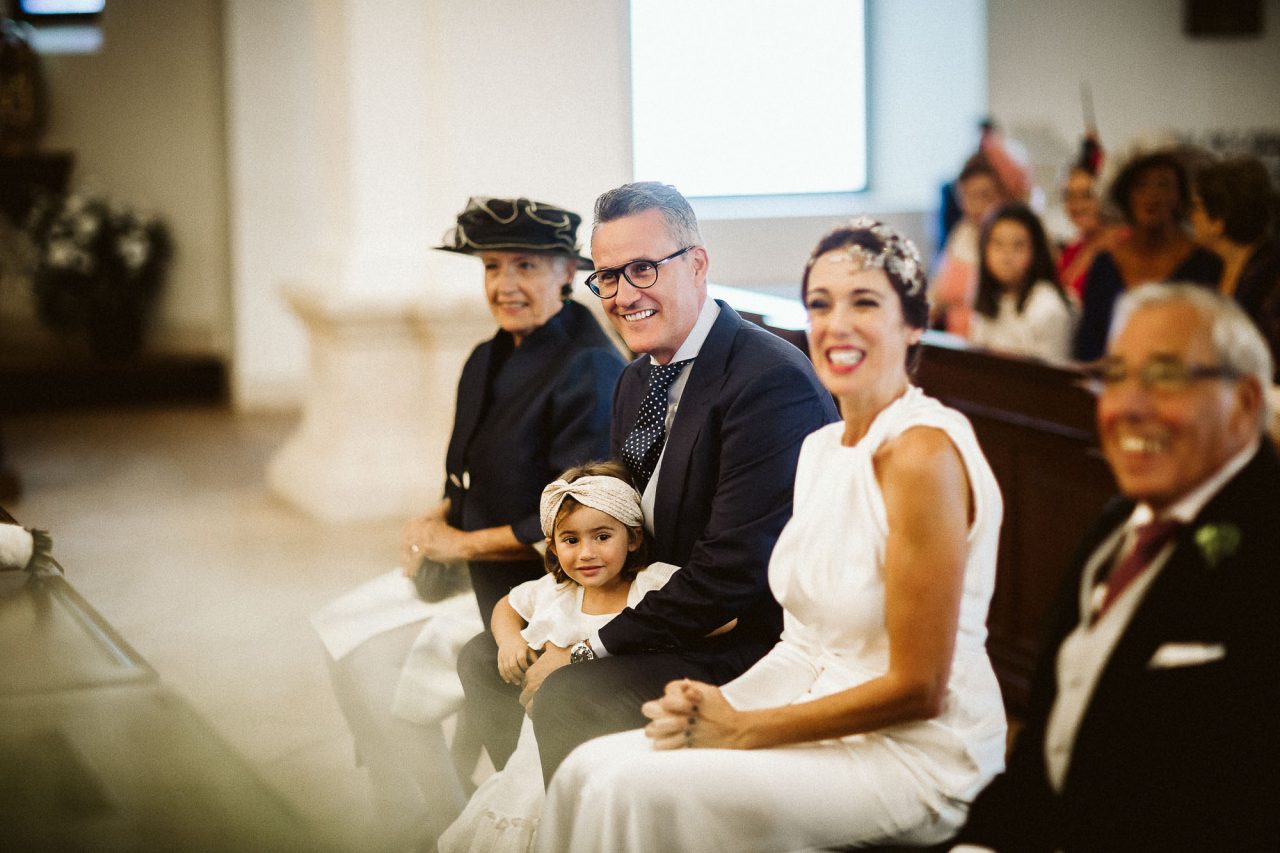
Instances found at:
x=709 y=419
x=1155 y=713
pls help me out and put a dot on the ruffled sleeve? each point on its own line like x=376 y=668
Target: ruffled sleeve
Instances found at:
x=527 y=598
x=556 y=615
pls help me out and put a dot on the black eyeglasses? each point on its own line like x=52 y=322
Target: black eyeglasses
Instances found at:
x=1161 y=376
x=640 y=273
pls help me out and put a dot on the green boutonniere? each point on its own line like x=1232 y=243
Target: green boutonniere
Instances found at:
x=1217 y=542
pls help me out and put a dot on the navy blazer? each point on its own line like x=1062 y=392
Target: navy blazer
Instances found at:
x=524 y=415
x=724 y=486
x=1165 y=758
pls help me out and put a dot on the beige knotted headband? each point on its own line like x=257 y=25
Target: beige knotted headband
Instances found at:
x=607 y=494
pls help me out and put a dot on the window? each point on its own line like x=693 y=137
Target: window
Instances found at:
x=749 y=98
x=62 y=26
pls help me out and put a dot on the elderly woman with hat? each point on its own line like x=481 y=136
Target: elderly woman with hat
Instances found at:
x=533 y=400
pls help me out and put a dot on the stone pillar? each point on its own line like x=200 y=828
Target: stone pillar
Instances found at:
x=375 y=425
x=383 y=366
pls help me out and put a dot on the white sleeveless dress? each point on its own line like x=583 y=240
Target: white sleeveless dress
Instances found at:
x=910 y=783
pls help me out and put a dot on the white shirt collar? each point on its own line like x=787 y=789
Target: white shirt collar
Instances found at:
x=1186 y=509
x=698 y=334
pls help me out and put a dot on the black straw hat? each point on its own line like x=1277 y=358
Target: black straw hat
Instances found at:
x=515 y=225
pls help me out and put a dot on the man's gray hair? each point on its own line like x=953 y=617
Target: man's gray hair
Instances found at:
x=630 y=199
x=1236 y=340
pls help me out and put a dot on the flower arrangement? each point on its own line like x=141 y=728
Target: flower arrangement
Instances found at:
x=98 y=268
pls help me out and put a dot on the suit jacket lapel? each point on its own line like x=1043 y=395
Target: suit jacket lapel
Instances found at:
x=635 y=386
x=473 y=389
x=706 y=376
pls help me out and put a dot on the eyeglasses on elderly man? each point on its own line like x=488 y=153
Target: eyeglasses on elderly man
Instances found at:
x=1160 y=376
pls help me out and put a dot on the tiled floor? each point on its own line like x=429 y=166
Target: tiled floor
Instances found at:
x=163 y=522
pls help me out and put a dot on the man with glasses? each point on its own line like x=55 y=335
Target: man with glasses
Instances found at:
x=709 y=419
x=1153 y=718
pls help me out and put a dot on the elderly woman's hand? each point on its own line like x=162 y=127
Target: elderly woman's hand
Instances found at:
x=694 y=714
x=430 y=536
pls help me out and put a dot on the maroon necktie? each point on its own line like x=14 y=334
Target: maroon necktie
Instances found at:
x=1152 y=538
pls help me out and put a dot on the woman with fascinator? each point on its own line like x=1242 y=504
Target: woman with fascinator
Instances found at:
x=877 y=717
x=532 y=401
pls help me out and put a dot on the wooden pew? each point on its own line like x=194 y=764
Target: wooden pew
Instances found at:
x=1036 y=426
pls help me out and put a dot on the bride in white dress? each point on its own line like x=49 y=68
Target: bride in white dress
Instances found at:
x=877 y=718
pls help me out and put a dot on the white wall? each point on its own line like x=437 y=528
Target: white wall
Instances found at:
x=532 y=98
x=1148 y=78
x=143 y=117
x=275 y=203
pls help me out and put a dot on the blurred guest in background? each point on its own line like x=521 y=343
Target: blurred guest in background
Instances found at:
x=991 y=176
x=1020 y=307
x=1084 y=209
x=978 y=192
x=1233 y=209
x=1154 y=195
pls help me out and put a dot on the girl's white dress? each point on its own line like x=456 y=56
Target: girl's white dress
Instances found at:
x=1043 y=329
x=907 y=784
x=502 y=815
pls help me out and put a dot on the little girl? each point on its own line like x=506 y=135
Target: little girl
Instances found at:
x=1020 y=307
x=596 y=554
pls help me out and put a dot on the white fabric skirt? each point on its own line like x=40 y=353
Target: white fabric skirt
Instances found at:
x=616 y=793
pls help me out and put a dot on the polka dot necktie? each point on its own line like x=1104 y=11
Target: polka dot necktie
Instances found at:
x=644 y=445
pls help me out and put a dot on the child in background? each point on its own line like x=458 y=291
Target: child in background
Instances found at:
x=596 y=555
x=978 y=191
x=1020 y=307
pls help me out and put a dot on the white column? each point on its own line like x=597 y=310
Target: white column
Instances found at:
x=375 y=426
x=340 y=86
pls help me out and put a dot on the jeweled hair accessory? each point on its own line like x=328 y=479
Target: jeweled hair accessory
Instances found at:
x=897 y=254
x=607 y=494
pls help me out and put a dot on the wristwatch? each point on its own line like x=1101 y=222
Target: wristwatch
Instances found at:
x=581 y=651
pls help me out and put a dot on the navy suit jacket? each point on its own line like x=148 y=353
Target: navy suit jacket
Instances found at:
x=724 y=486
x=1165 y=758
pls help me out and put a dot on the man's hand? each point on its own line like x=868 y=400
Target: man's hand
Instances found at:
x=553 y=657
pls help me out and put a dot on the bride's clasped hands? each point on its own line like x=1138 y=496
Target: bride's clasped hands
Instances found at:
x=694 y=714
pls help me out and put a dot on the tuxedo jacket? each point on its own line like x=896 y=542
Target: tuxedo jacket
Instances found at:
x=1179 y=746
x=724 y=486
x=524 y=415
